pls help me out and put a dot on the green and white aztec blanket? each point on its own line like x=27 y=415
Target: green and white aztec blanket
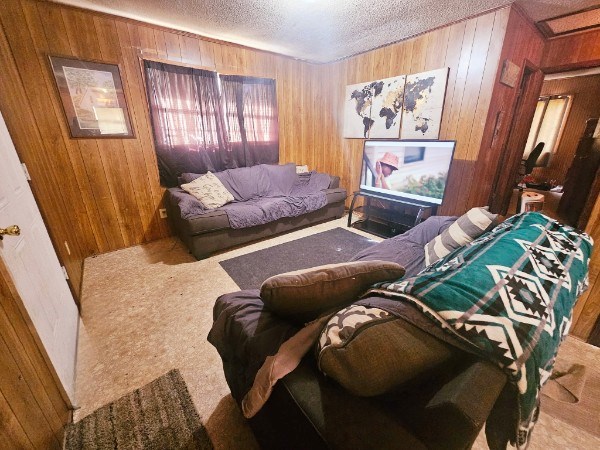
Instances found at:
x=510 y=295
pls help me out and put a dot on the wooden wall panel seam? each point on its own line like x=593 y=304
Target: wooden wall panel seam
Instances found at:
x=128 y=41
x=113 y=48
x=119 y=175
x=30 y=372
x=12 y=434
x=484 y=100
x=454 y=112
x=461 y=79
x=474 y=80
x=452 y=59
x=52 y=216
x=18 y=316
x=73 y=150
x=22 y=401
x=61 y=149
x=83 y=24
x=94 y=169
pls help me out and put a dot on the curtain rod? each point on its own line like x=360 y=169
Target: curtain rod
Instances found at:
x=193 y=66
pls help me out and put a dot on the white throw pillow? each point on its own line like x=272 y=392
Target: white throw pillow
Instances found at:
x=209 y=190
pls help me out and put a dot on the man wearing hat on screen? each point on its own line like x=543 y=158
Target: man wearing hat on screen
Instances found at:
x=384 y=168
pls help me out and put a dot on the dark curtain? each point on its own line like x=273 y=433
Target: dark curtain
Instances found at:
x=187 y=120
x=251 y=118
x=198 y=130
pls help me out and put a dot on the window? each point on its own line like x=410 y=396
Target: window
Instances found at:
x=250 y=108
x=548 y=121
x=185 y=105
x=201 y=125
x=249 y=103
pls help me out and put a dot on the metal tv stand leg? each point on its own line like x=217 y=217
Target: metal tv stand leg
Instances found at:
x=352 y=208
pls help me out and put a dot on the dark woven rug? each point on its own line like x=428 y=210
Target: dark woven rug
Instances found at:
x=328 y=247
x=160 y=415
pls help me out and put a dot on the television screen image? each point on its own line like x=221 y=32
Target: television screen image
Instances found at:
x=413 y=170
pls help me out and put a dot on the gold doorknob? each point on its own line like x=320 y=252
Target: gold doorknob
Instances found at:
x=13 y=230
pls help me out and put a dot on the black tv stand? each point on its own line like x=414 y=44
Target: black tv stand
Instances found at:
x=388 y=216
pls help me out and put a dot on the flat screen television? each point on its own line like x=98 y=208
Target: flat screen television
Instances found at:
x=413 y=170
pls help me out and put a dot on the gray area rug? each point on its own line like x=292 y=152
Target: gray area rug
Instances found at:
x=328 y=247
x=160 y=415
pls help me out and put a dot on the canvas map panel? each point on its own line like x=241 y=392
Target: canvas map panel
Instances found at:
x=357 y=110
x=424 y=95
x=386 y=109
x=405 y=106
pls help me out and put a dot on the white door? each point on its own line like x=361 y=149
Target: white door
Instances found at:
x=34 y=267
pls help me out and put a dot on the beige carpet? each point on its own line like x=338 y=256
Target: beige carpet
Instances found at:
x=147 y=310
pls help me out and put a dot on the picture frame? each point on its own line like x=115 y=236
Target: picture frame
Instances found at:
x=92 y=98
x=510 y=73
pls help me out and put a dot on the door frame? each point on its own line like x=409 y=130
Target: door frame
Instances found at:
x=530 y=87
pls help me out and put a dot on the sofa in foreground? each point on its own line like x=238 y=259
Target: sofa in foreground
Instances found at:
x=266 y=200
x=445 y=408
x=383 y=373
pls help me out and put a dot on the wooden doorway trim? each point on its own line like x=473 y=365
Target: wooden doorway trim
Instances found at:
x=527 y=96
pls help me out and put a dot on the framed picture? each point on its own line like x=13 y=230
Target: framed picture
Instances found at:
x=510 y=73
x=92 y=98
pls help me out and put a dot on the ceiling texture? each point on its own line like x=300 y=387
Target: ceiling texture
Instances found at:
x=315 y=30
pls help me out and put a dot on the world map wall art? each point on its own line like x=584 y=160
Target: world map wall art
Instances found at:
x=409 y=106
x=374 y=109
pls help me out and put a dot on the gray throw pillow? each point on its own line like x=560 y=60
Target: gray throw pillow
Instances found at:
x=466 y=229
x=407 y=249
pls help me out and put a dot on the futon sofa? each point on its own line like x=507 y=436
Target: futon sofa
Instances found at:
x=454 y=388
x=268 y=199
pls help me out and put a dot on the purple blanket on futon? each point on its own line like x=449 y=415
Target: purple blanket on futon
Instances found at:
x=262 y=194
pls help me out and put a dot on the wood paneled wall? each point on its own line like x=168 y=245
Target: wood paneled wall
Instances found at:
x=523 y=45
x=578 y=51
x=101 y=195
x=587 y=310
x=98 y=195
x=472 y=51
x=585 y=105
x=567 y=53
x=574 y=51
x=32 y=410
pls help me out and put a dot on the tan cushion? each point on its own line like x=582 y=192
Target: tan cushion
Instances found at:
x=467 y=228
x=304 y=294
x=209 y=190
x=370 y=352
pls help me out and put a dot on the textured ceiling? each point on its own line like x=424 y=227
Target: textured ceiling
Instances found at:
x=314 y=30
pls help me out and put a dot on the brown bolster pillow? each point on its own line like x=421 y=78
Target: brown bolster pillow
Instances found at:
x=303 y=295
